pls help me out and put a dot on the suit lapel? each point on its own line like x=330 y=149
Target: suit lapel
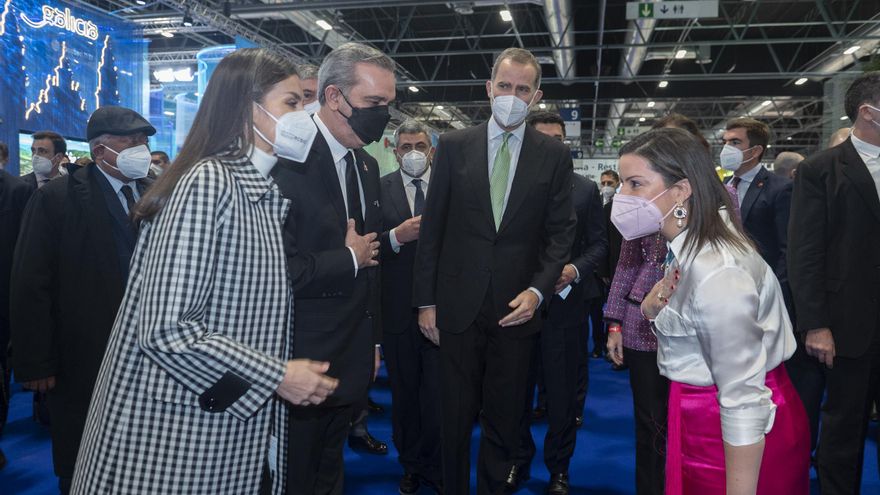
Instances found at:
x=320 y=157
x=398 y=196
x=754 y=190
x=91 y=196
x=526 y=169
x=372 y=212
x=476 y=155
x=857 y=172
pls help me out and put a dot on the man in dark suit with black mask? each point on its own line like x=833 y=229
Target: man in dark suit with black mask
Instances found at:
x=69 y=274
x=412 y=360
x=563 y=341
x=497 y=229
x=834 y=266
x=332 y=251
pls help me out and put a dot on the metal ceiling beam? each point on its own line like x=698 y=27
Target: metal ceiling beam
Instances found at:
x=361 y=4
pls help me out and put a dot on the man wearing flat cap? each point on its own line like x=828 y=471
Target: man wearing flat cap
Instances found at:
x=69 y=274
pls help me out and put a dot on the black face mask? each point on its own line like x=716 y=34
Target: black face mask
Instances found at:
x=368 y=123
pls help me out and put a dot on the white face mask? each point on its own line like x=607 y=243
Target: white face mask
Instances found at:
x=732 y=157
x=133 y=163
x=510 y=111
x=294 y=134
x=313 y=107
x=607 y=192
x=414 y=163
x=42 y=165
x=157 y=170
x=872 y=120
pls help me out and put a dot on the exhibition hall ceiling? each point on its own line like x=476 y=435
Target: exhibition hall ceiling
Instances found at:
x=769 y=59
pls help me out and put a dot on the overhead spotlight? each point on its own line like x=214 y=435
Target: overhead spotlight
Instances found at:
x=506 y=16
x=769 y=146
x=324 y=24
x=414 y=89
x=168 y=113
x=788 y=138
x=765 y=103
x=642 y=119
x=164 y=75
x=851 y=50
x=800 y=81
x=681 y=54
x=187 y=19
x=844 y=117
x=663 y=84
x=183 y=75
x=167 y=34
x=542 y=106
x=140 y=2
x=651 y=104
x=439 y=107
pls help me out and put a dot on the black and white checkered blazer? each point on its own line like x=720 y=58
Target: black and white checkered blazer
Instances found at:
x=185 y=400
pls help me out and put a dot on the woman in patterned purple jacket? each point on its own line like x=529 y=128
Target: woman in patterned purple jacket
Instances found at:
x=631 y=341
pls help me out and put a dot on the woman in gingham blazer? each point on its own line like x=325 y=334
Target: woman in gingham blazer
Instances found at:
x=186 y=401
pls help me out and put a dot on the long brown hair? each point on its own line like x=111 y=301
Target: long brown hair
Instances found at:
x=223 y=125
x=676 y=155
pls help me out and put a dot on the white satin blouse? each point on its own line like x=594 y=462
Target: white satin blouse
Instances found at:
x=726 y=325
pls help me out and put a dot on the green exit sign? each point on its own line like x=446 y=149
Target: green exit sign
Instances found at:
x=646 y=10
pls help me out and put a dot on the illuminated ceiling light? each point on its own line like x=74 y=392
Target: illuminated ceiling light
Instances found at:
x=542 y=106
x=170 y=114
x=439 y=107
x=663 y=84
x=851 y=50
x=183 y=75
x=651 y=104
x=765 y=103
x=681 y=54
x=164 y=75
x=769 y=146
x=844 y=117
x=187 y=19
x=788 y=138
x=642 y=119
x=140 y=2
x=414 y=89
x=506 y=16
x=324 y=24
x=167 y=34
x=800 y=81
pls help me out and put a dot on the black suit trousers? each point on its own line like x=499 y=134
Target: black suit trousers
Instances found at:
x=314 y=460
x=650 y=391
x=559 y=351
x=483 y=370
x=850 y=385
x=808 y=377
x=413 y=364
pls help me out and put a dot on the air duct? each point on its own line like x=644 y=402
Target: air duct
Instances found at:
x=561 y=27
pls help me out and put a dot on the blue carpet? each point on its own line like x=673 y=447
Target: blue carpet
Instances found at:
x=603 y=463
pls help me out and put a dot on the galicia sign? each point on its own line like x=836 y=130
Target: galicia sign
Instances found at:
x=53 y=16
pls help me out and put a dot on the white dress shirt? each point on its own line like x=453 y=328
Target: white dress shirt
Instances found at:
x=410 y=189
x=117 y=184
x=871 y=156
x=514 y=145
x=338 y=152
x=264 y=162
x=726 y=325
x=745 y=181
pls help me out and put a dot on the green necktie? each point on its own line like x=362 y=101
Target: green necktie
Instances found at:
x=498 y=180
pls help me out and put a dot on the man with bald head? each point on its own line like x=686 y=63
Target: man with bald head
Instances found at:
x=786 y=164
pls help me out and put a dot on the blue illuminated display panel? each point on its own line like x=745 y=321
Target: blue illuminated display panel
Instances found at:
x=62 y=61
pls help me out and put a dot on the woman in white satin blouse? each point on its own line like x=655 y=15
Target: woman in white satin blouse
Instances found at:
x=736 y=424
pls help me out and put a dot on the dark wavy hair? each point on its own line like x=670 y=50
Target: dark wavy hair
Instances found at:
x=676 y=155
x=223 y=125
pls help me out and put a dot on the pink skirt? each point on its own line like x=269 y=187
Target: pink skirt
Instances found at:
x=695 y=451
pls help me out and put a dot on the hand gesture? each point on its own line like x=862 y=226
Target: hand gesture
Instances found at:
x=365 y=247
x=305 y=383
x=408 y=230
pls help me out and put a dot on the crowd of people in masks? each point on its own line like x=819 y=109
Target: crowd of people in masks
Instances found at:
x=241 y=298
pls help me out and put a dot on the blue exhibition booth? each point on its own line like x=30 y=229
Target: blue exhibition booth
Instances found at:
x=61 y=61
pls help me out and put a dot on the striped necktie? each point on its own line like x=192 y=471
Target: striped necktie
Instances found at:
x=498 y=180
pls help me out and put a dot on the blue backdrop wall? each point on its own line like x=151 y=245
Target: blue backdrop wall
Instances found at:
x=60 y=61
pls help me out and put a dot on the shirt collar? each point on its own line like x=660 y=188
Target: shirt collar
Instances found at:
x=677 y=245
x=495 y=130
x=115 y=183
x=865 y=148
x=750 y=175
x=264 y=162
x=337 y=150
x=407 y=180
